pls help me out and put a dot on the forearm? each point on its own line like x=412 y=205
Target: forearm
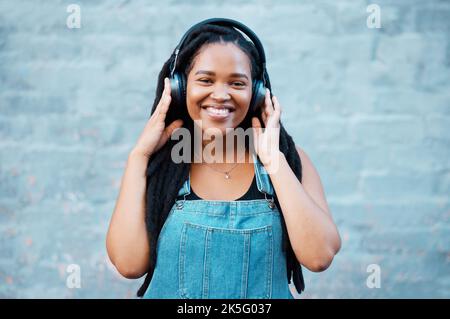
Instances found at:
x=312 y=232
x=127 y=239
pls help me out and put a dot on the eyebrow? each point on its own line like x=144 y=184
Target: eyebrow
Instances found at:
x=234 y=75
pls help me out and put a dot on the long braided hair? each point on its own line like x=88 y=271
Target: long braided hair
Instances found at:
x=165 y=178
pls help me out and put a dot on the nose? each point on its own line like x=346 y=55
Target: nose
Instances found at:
x=220 y=92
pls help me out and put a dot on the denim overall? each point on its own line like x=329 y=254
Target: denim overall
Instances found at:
x=222 y=249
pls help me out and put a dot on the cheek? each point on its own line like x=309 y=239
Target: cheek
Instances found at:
x=194 y=96
x=196 y=93
x=243 y=99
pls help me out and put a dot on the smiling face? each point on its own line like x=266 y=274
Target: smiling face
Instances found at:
x=219 y=86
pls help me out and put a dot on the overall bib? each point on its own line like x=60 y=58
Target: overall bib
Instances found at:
x=222 y=249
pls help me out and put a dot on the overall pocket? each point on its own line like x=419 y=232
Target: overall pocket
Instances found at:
x=225 y=263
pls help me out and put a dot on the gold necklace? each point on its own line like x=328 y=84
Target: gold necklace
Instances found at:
x=227 y=173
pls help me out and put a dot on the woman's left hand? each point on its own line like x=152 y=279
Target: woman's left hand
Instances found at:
x=266 y=140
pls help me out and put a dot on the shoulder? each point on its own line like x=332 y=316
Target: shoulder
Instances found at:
x=307 y=164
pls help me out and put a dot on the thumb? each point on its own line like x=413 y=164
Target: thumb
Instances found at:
x=173 y=126
x=256 y=124
x=257 y=130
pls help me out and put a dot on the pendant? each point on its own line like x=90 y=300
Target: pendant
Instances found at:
x=227 y=176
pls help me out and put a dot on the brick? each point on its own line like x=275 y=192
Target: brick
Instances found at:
x=369 y=106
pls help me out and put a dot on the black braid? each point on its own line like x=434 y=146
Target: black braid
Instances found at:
x=165 y=178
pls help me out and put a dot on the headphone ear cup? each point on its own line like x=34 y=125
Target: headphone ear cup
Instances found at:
x=183 y=85
x=259 y=94
x=177 y=89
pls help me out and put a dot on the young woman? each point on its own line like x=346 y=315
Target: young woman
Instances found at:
x=222 y=229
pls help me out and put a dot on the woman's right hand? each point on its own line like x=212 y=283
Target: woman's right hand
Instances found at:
x=155 y=134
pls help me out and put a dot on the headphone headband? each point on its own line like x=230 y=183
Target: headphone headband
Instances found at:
x=225 y=22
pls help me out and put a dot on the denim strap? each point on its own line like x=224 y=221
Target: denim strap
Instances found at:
x=262 y=180
x=186 y=188
x=262 y=177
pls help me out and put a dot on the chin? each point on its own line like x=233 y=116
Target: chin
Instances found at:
x=214 y=128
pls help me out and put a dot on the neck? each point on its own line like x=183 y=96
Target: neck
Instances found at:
x=224 y=150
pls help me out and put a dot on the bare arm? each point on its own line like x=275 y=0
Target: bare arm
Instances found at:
x=313 y=234
x=127 y=239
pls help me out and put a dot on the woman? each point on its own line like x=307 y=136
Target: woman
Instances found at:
x=219 y=229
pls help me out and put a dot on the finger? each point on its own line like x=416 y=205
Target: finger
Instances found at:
x=274 y=120
x=256 y=124
x=163 y=106
x=169 y=89
x=268 y=104
x=166 y=93
x=277 y=106
x=164 y=102
x=264 y=117
x=257 y=130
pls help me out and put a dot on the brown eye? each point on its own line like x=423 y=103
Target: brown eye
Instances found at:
x=205 y=80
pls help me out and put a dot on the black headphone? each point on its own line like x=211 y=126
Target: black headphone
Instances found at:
x=178 y=80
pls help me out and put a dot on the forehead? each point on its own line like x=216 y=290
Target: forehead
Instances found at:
x=222 y=57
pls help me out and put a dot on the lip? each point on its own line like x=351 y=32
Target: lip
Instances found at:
x=216 y=106
x=217 y=116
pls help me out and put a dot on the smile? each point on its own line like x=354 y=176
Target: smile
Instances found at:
x=219 y=112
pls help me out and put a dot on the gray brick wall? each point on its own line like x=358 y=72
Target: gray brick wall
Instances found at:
x=370 y=106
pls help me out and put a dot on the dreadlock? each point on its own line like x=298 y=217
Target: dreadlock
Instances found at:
x=165 y=178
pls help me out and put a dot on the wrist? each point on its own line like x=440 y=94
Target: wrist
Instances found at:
x=273 y=162
x=137 y=153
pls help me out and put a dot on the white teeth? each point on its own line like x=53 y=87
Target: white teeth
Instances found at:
x=218 y=111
